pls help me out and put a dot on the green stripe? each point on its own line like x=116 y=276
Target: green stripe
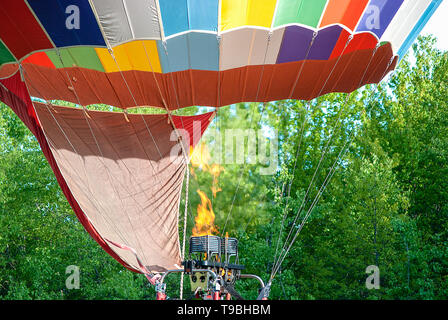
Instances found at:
x=83 y=57
x=5 y=55
x=307 y=12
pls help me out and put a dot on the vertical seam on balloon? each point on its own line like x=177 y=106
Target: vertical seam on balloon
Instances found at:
x=74 y=60
x=219 y=41
x=302 y=66
x=90 y=86
x=247 y=13
x=411 y=10
x=126 y=11
x=322 y=13
x=153 y=73
x=40 y=23
x=187 y=36
x=274 y=15
x=58 y=53
x=334 y=67
x=97 y=18
x=361 y=16
x=427 y=13
x=268 y=40
x=182 y=146
x=299 y=10
x=246 y=69
x=159 y=14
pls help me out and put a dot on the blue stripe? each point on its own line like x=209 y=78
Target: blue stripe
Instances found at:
x=174 y=16
x=183 y=15
x=195 y=50
x=56 y=18
x=418 y=27
x=379 y=15
x=203 y=14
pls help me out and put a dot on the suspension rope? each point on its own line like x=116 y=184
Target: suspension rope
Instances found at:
x=250 y=126
x=97 y=206
x=316 y=199
x=185 y=154
x=87 y=117
x=298 y=149
x=330 y=174
x=326 y=148
x=290 y=182
x=244 y=166
x=300 y=141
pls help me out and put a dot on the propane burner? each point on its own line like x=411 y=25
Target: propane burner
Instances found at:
x=214 y=248
x=213 y=268
x=212 y=253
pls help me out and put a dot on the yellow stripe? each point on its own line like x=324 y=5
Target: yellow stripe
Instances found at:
x=135 y=55
x=238 y=13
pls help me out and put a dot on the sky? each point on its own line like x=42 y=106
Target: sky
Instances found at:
x=438 y=26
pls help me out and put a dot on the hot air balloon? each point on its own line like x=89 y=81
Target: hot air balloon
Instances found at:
x=118 y=170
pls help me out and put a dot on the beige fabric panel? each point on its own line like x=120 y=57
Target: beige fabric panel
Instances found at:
x=249 y=47
x=128 y=187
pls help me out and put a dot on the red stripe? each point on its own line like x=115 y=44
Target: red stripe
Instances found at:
x=188 y=123
x=360 y=41
x=40 y=59
x=19 y=29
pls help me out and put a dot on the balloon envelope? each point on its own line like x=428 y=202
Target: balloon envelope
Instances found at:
x=115 y=170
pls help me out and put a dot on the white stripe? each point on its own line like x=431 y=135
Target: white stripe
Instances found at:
x=144 y=18
x=404 y=21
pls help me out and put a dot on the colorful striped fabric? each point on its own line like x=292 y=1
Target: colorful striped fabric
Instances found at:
x=172 y=36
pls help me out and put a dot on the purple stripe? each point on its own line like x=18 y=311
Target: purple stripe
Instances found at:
x=297 y=40
x=378 y=16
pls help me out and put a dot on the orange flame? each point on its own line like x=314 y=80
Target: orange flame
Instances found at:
x=205 y=220
x=200 y=158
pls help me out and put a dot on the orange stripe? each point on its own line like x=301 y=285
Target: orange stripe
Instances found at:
x=346 y=12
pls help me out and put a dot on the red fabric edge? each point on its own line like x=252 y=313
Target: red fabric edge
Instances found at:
x=13 y=92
